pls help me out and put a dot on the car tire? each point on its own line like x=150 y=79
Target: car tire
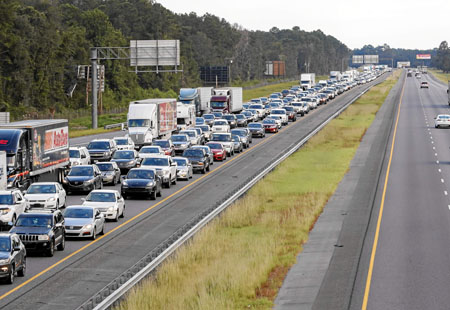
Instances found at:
x=159 y=193
x=94 y=234
x=51 y=249
x=203 y=170
x=122 y=215
x=207 y=168
x=153 y=195
x=10 y=279
x=174 y=182
x=62 y=245
x=103 y=230
x=116 y=219
x=168 y=183
x=101 y=185
x=21 y=272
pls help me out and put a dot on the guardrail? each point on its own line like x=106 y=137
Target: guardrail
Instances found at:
x=111 y=126
x=113 y=292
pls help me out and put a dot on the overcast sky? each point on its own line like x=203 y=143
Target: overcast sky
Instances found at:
x=408 y=24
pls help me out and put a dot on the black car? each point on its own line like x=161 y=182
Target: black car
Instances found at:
x=125 y=159
x=142 y=181
x=83 y=179
x=101 y=149
x=41 y=231
x=257 y=130
x=13 y=257
x=198 y=158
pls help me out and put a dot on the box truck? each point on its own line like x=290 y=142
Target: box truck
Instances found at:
x=199 y=97
x=335 y=76
x=307 y=80
x=36 y=150
x=227 y=100
x=150 y=119
x=185 y=115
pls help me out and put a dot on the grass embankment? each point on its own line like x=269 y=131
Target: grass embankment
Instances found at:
x=240 y=259
x=444 y=77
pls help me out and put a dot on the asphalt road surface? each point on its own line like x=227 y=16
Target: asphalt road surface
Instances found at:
x=411 y=267
x=72 y=276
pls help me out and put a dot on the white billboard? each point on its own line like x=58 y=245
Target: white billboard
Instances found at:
x=370 y=59
x=358 y=59
x=154 y=53
x=403 y=64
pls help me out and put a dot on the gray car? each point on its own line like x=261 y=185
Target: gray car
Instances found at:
x=207 y=150
x=244 y=134
x=84 y=222
x=237 y=143
x=184 y=168
x=110 y=172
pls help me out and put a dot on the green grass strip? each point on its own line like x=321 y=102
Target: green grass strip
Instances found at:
x=240 y=259
x=444 y=77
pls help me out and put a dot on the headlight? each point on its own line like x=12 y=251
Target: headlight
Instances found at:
x=106 y=153
x=87 y=227
x=111 y=209
x=51 y=199
x=4 y=261
x=110 y=173
x=65 y=181
x=185 y=145
x=75 y=163
x=124 y=182
x=43 y=237
x=5 y=211
x=89 y=181
x=130 y=162
x=149 y=184
x=166 y=172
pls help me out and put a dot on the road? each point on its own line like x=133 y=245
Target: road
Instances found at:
x=84 y=267
x=411 y=265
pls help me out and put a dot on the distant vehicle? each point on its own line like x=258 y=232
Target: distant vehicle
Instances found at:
x=12 y=204
x=232 y=120
x=199 y=97
x=126 y=159
x=220 y=125
x=291 y=113
x=193 y=136
x=237 y=144
x=124 y=143
x=226 y=100
x=110 y=172
x=270 y=125
x=83 y=178
x=79 y=156
x=225 y=139
x=217 y=115
x=149 y=151
x=218 y=150
x=206 y=131
x=185 y=115
x=307 y=80
x=282 y=113
x=45 y=195
x=101 y=149
x=109 y=202
x=13 y=256
x=164 y=166
x=84 y=221
x=241 y=120
x=245 y=136
x=41 y=231
x=166 y=145
x=181 y=142
x=141 y=181
x=198 y=158
x=207 y=151
x=277 y=118
x=209 y=119
x=424 y=85
x=442 y=120
x=257 y=130
x=199 y=121
x=184 y=168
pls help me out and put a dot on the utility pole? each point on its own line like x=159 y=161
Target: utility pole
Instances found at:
x=94 y=87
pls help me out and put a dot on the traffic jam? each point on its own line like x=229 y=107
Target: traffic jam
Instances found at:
x=167 y=141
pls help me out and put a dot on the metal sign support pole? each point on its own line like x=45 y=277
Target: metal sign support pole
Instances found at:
x=94 y=87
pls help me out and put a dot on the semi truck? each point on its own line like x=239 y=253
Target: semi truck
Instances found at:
x=150 y=119
x=199 y=97
x=307 y=80
x=185 y=115
x=36 y=150
x=335 y=76
x=227 y=100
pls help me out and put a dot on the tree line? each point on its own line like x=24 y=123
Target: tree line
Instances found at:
x=42 y=42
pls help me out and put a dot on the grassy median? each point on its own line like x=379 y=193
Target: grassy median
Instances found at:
x=444 y=77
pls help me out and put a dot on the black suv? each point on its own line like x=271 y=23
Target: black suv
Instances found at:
x=198 y=158
x=13 y=257
x=142 y=181
x=41 y=230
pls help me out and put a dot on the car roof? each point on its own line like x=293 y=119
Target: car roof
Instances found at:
x=104 y=191
x=7 y=191
x=101 y=140
x=44 y=183
x=89 y=166
x=180 y=157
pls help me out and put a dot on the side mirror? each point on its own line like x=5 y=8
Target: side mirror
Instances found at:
x=16 y=248
x=83 y=199
x=98 y=217
x=123 y=177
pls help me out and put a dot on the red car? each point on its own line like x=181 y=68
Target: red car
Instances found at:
x=270 y=125
x=218 y=150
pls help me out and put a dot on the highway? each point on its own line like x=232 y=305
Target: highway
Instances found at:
x=405 y=262
x=72 y=276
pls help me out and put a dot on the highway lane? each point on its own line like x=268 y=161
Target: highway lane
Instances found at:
x=411 y=265
x=89 y=270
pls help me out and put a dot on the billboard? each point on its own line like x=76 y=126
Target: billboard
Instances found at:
x=358 y=59
x=403 y=64
x=56 y=139
x=423 y=56
x=154 y=53
x=209 y=74
x=370 y=59
x=275 y=68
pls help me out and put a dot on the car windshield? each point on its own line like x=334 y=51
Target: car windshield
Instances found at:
x=150 y=150
x=256 y=106
x=199 y=120
x=182 y=138
x=235 y=138
x=224 y=138
x=204 y=128
x=215 y=146
x=102 y=145
x=217 y=114
x=208 y=116
x=161 y=143
x=152 y=161
x=240 y=116
x=281 y=112
x=123 y=155
x=189 y=133
x=269 y=121
x=105 y=167
x=101 y=197
x=180 y=161
x=81 y=171
x=5 y=244
x=121 y=141
x=74 y=154
x=193 y=153
x=139 y=123
x=141 y=174
x=289 y=109
x=220 y=123
x=240 y=133
x=218 y=104
x=254 y=125
x=34 y=221
x=6 y=199
x=80 y=213
x=229 y=117
x=444 y=116
x=41 y=189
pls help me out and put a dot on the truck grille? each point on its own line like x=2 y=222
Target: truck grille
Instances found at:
x=76 y=182
x=137 y=138
x=28 y=237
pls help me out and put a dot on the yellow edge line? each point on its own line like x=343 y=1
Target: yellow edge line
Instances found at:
x=380 y=214
x=134 y=217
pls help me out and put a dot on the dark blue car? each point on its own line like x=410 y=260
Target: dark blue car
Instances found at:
x=83 y=178
x=141 y=181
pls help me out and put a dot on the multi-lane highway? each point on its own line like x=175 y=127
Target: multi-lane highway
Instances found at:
x=72 y=276
x=406 y=261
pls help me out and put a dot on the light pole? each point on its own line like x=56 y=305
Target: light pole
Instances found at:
x=229 y=69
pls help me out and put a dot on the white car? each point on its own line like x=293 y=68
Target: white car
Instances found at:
x=79 y=156
x=442 y=120
x=150 y=151
x=184 y=168
x=193 y=135
x=220 y=125
x=109 y=202
x=12 y=204
x=165 y=167
x=225 y=139
x=83 y=221
x=124 y=143
x=282 y=113
x=259 y=108
x=277 y=119
x=47 y=195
